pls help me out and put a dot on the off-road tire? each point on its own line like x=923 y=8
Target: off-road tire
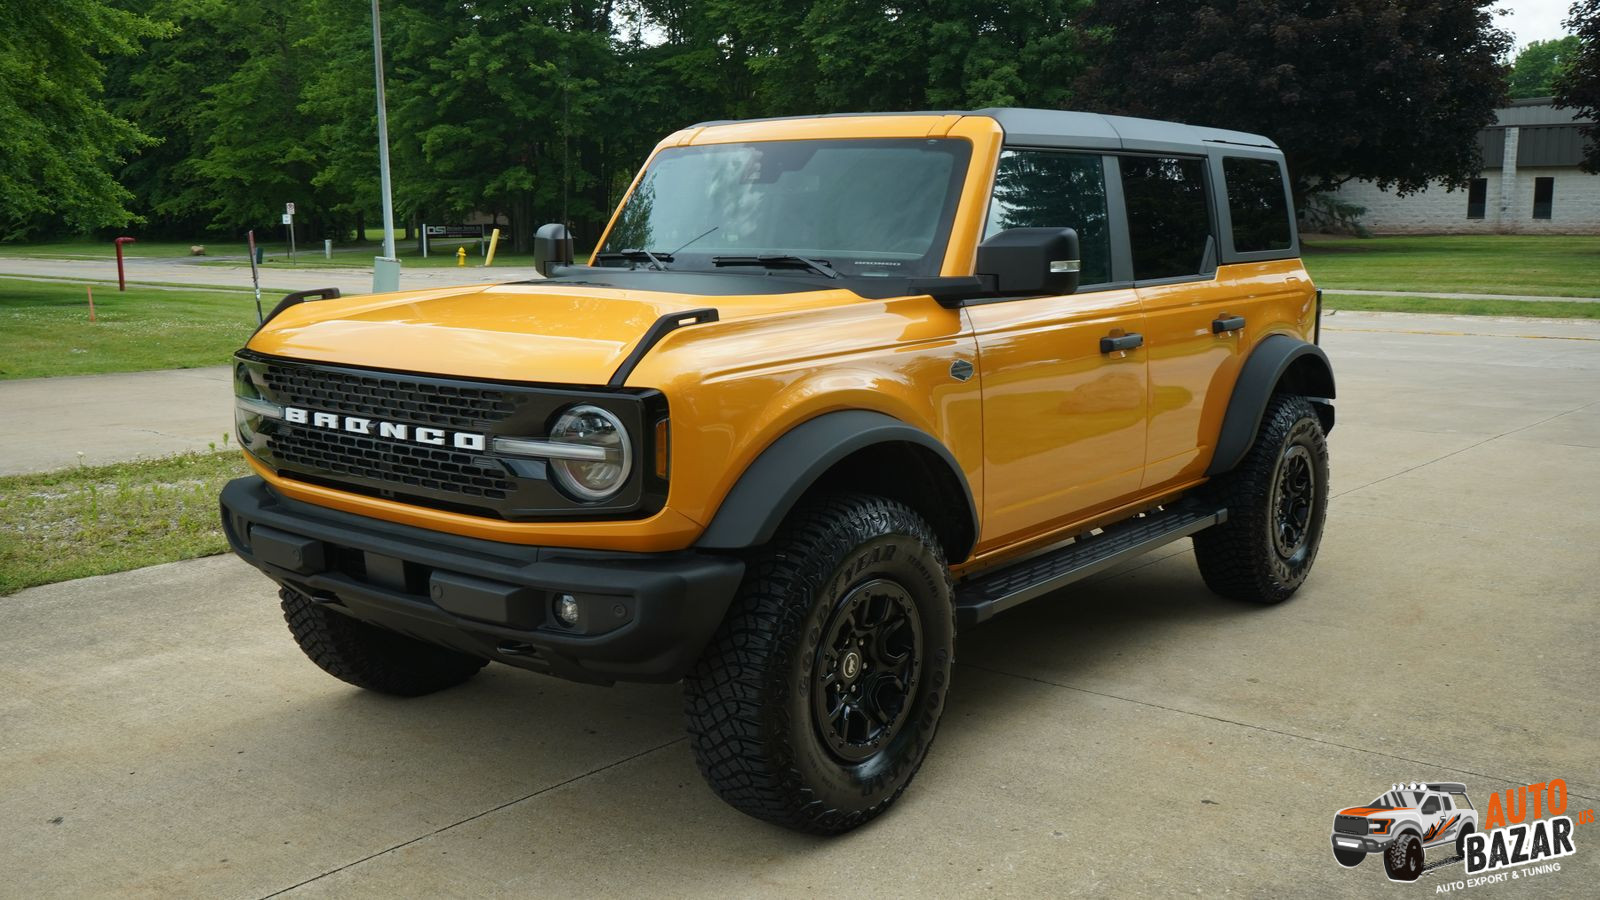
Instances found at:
x=1461 y=839
x=1348 y=858
x=1241 y=558
x=370 y=657
x=1402 y=861
x=751 y=699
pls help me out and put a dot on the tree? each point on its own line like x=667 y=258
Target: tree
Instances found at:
x=1393 y=93
x=59 y=143
x=1578 y=86
x=1533 y=72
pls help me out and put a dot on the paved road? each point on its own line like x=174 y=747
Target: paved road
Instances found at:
x=51 y=423
x=352 y=280
x=1446 y=296
x=162 y=737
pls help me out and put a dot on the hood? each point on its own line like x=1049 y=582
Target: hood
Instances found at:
x=513 y=332
x=1371 y=810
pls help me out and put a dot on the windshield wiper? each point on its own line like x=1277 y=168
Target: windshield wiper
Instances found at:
x=656 y=260
x=779 y=261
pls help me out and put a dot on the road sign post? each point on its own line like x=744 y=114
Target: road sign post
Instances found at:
x=288 y=219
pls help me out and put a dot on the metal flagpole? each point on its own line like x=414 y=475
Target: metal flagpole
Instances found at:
x=385 y=270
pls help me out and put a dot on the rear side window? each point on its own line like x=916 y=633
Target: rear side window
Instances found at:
x=1045 y=189
x=1256 y=204
x=1168 y=223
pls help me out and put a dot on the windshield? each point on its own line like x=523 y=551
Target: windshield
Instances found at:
x=863 y=207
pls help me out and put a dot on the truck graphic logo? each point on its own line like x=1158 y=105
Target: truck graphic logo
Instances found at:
x=1402 y=824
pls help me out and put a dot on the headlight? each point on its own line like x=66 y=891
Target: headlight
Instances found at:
x=604 y=474
x=1380 y=826
x=249 y=407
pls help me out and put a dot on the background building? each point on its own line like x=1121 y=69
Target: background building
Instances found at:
x=1530 y=183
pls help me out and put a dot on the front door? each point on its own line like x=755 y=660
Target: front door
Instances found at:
x=1063 y=418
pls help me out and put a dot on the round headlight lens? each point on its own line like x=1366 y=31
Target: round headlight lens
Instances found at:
x=592 y=479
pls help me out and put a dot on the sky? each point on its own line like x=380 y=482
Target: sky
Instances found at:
x=1533 y=20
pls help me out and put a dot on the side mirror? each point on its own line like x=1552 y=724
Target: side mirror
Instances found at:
x=1031 y=261
x=552 y=246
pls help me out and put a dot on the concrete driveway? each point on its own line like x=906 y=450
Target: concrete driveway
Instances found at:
x=160 y=735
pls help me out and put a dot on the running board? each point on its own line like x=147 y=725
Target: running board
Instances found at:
x=990 y=593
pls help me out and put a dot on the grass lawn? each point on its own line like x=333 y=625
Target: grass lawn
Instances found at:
x=94 y=520
x=1543 y=309
x=45 y=328
x=86 y=248
x=1540 y=265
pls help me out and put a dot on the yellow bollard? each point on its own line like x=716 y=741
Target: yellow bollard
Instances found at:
x=494 y=241
x=461 y=256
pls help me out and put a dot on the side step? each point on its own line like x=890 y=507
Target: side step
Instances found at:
x=983 y=596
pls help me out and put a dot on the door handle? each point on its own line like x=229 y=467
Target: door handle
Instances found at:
x=1111 y=344
x=1223 y=324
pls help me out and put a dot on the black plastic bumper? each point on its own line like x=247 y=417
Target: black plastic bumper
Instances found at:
x=642 y=616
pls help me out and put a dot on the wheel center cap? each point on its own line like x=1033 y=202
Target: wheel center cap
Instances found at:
x=850 y=666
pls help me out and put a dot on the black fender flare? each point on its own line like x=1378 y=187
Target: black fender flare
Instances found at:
x=1276 y=357
x=772 y=484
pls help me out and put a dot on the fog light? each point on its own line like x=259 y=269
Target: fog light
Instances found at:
x=567 y=609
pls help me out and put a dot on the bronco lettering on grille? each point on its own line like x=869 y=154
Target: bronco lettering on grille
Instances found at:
x=396 y=431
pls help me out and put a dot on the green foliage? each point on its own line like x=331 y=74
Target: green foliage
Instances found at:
x=59 y=142
x=536 y=110
x=1578 y=85
x=1393 y=93
x=1534 y=71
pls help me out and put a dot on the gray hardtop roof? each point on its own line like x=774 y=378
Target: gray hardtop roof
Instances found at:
x=1070 y=128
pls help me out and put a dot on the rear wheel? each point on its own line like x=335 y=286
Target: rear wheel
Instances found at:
x=370 y=657
x=1277 y=499
x=818 y=698
x=1461 y=840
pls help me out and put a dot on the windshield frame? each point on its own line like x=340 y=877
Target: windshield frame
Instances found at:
x=691 y=259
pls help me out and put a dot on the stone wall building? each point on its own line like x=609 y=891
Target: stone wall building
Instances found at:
x=1530 y=183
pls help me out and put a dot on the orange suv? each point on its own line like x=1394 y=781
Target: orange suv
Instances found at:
x=828 y=389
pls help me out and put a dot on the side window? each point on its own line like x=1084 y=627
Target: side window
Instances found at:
x=1477 y=197
x=1431 y=806
x=1446 y=802
x=1049 y=189
x=1168 y=223
x=1256 y=204
x=1544 y=191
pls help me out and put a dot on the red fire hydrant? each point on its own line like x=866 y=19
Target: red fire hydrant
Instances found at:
x=122 y=282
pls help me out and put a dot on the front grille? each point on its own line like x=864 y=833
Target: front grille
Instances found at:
x=386 y=396
x=444 y=476
x=406 y=465
x=1351 y=825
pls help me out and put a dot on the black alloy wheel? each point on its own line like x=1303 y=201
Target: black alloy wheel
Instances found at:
x=868 y=666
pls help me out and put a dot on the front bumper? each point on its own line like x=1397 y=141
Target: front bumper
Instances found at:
x=1361 y=843
x=643 y=616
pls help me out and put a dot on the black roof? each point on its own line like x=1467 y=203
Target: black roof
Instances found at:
x=1070 y=128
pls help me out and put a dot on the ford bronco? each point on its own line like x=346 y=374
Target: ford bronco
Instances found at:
x=1403 y=823
x=828 y=389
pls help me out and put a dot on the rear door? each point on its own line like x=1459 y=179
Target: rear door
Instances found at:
x=1064 y=420
x=1193 y=317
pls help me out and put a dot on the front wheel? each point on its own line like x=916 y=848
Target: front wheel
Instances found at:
x=818 y=698
x=1277 y=500
x=1403 y=860
x=371 y=657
